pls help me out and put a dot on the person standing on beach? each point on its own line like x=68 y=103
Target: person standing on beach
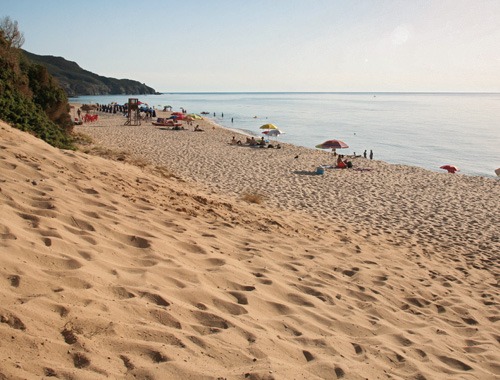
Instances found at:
x=364 y=154
x=371 y=154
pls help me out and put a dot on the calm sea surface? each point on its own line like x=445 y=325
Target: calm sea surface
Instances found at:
x=426 y=130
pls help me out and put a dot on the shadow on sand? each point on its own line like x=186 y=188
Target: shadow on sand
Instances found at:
x=305 y=172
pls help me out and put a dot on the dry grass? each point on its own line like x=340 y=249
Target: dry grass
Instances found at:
x=253 y=198
x=85 y=145
x=81 y=139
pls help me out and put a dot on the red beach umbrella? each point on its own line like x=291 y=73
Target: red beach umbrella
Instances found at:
x=450 y=168
x=332 y=144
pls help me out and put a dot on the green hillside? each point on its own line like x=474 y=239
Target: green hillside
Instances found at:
x=76 y=81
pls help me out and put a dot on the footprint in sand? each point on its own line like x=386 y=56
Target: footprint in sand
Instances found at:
x=72 y=282
x=69 y=336
x=127 y=363
x=211 y=320
x=357 y=348
x=350 y=272
x=85 y=255
x=165 y=319
x=91 y=214
x=12 y=321
x=339 y=372
x=245 y=288
x=315 y=293
x=14 y=280
x=309 y=357
x=89 y=191
x=199 y=342
x=43 y=204
x=80 y=360
x=299 y=300
x=229 y=307
x=280 y=308
x=62 y=311
x=455 y=363
x=157 y=356
x=122 y=293
x=137 y=242
x=155 y=298
x=192 y=248
x=470 y=321
x=380 y=280
x=262 y=278
x=293 y=330
x=49 y=372
x=216 y=262
x=33 y=220
x=7 y=165
x=240 y=297
x=419 y=302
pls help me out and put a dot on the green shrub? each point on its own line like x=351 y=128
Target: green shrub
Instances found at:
x=31 y=100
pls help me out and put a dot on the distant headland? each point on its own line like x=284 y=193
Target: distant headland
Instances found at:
x=77 y=82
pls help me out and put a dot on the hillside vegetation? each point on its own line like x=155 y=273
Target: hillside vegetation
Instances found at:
x=30 y=98
x=77 y=81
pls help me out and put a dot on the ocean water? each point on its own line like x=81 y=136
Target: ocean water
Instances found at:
x=419 y=129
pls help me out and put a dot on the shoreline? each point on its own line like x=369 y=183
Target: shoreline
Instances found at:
x=364 y=122
x=376 y=197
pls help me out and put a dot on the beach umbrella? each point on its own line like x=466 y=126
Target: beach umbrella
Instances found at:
x=332 y=144
x=273 y=132
x=450 y=168
x=268 y=126
x=195 y=116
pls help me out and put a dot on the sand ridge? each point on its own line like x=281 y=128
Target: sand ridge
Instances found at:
x=114 y=270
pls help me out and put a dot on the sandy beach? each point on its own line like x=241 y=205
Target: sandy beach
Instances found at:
x=155 y=265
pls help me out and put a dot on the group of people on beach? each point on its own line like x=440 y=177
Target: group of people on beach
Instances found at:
x=251 y=141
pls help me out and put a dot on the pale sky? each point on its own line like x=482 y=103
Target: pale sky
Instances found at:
x=273 y=45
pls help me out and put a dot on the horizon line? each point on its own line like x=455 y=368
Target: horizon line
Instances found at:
x=329 y=92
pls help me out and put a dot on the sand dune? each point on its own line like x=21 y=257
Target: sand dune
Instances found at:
x=111 y=270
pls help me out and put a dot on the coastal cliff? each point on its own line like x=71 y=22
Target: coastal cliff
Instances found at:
x=76 y=81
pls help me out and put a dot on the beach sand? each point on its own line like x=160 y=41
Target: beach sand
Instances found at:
x=153 y=265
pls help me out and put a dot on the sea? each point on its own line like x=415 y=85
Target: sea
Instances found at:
x=427 y=130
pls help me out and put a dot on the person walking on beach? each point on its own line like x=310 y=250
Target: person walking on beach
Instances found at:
x=371 y=154
x=364 y=154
